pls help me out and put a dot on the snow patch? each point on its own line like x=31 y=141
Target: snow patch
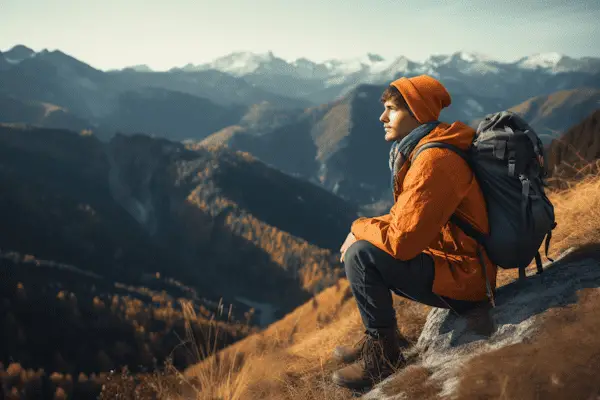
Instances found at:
x=475 y=57
x=540 y=60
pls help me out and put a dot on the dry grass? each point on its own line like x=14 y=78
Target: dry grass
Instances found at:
x=414 y=382
x=563 y=362
x=264 y=365
x=291 y=358
x=303 y=370
x=577 y=214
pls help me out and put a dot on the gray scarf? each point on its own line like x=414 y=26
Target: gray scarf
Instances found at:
x=406 y=145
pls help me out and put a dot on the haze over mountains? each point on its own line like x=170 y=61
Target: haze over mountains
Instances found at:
x=302 y=117
x=243 y=79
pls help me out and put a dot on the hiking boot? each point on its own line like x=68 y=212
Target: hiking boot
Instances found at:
x=350 y=354
x=380 y=357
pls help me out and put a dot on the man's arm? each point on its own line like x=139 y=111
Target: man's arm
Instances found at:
x=351 y=239
x=382 y=218
x=433 y=188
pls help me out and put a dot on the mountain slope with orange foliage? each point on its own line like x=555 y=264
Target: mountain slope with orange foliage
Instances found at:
x=290 y=360
x=552 y=115
x=112 y=239
x=577 y=152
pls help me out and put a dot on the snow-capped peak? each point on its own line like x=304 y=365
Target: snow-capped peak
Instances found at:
x=470 y=56
x=18 y=53
x=369 y=61
x=373 y=68
x=241 y=63
x=540 y=60
x=460 y=56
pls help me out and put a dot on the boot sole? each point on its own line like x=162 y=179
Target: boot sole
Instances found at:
x=357 y=386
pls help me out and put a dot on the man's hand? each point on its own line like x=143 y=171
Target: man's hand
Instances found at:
x=350 y=239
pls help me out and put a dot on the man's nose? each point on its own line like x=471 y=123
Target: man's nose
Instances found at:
x=383 y=117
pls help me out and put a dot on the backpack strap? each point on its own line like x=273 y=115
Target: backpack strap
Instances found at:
x=538 y=265
x=488 y=287
x=442 y=145
x=463 y=225
x=534 y=141
x=468 y=229
x=548 y=238
x=479 y=238
x=538 y=149
x=538 y=257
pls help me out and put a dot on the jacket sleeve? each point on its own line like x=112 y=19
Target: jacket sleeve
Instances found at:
x=433 y=188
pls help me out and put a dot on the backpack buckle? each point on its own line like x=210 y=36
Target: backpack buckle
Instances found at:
x=511 y=166
x=526 y=184
x=500 y=150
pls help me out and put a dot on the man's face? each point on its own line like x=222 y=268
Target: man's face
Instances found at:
x=397 y=121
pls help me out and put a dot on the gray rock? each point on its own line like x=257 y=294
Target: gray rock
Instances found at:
x=448 y=340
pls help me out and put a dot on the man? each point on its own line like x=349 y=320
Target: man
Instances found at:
x=414 y=250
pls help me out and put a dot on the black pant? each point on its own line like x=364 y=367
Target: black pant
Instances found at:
x=373 y=274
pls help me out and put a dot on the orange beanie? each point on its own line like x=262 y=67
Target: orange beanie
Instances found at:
x=425 y=96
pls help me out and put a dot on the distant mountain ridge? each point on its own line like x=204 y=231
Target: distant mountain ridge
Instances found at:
x=577 y=153
x=551 y=116
x=177 y=105
x=252 y=75
x=244 y=63
x=141 y=205
x=15 y=111
x=318 y=121
x=325 y=81
x=340 y=145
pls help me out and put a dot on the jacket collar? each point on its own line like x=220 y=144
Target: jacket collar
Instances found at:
x=407 y=144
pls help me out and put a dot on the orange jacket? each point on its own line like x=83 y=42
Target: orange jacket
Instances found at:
x=438 y=184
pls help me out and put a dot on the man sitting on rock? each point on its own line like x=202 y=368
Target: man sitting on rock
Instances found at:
x=414 y=250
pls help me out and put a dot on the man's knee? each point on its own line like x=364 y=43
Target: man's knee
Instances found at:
x=358 y=248
x=355 y=256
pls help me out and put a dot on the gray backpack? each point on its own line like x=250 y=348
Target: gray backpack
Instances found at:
x=507 y=158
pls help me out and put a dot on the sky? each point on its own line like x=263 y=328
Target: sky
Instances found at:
x=162 y=34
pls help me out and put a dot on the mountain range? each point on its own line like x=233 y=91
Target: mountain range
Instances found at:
x=115 y=239
x=318 y=121
x=244 y=78
x=323 y=82
x=340 y=145
x=141 y=205
x=374 y=67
